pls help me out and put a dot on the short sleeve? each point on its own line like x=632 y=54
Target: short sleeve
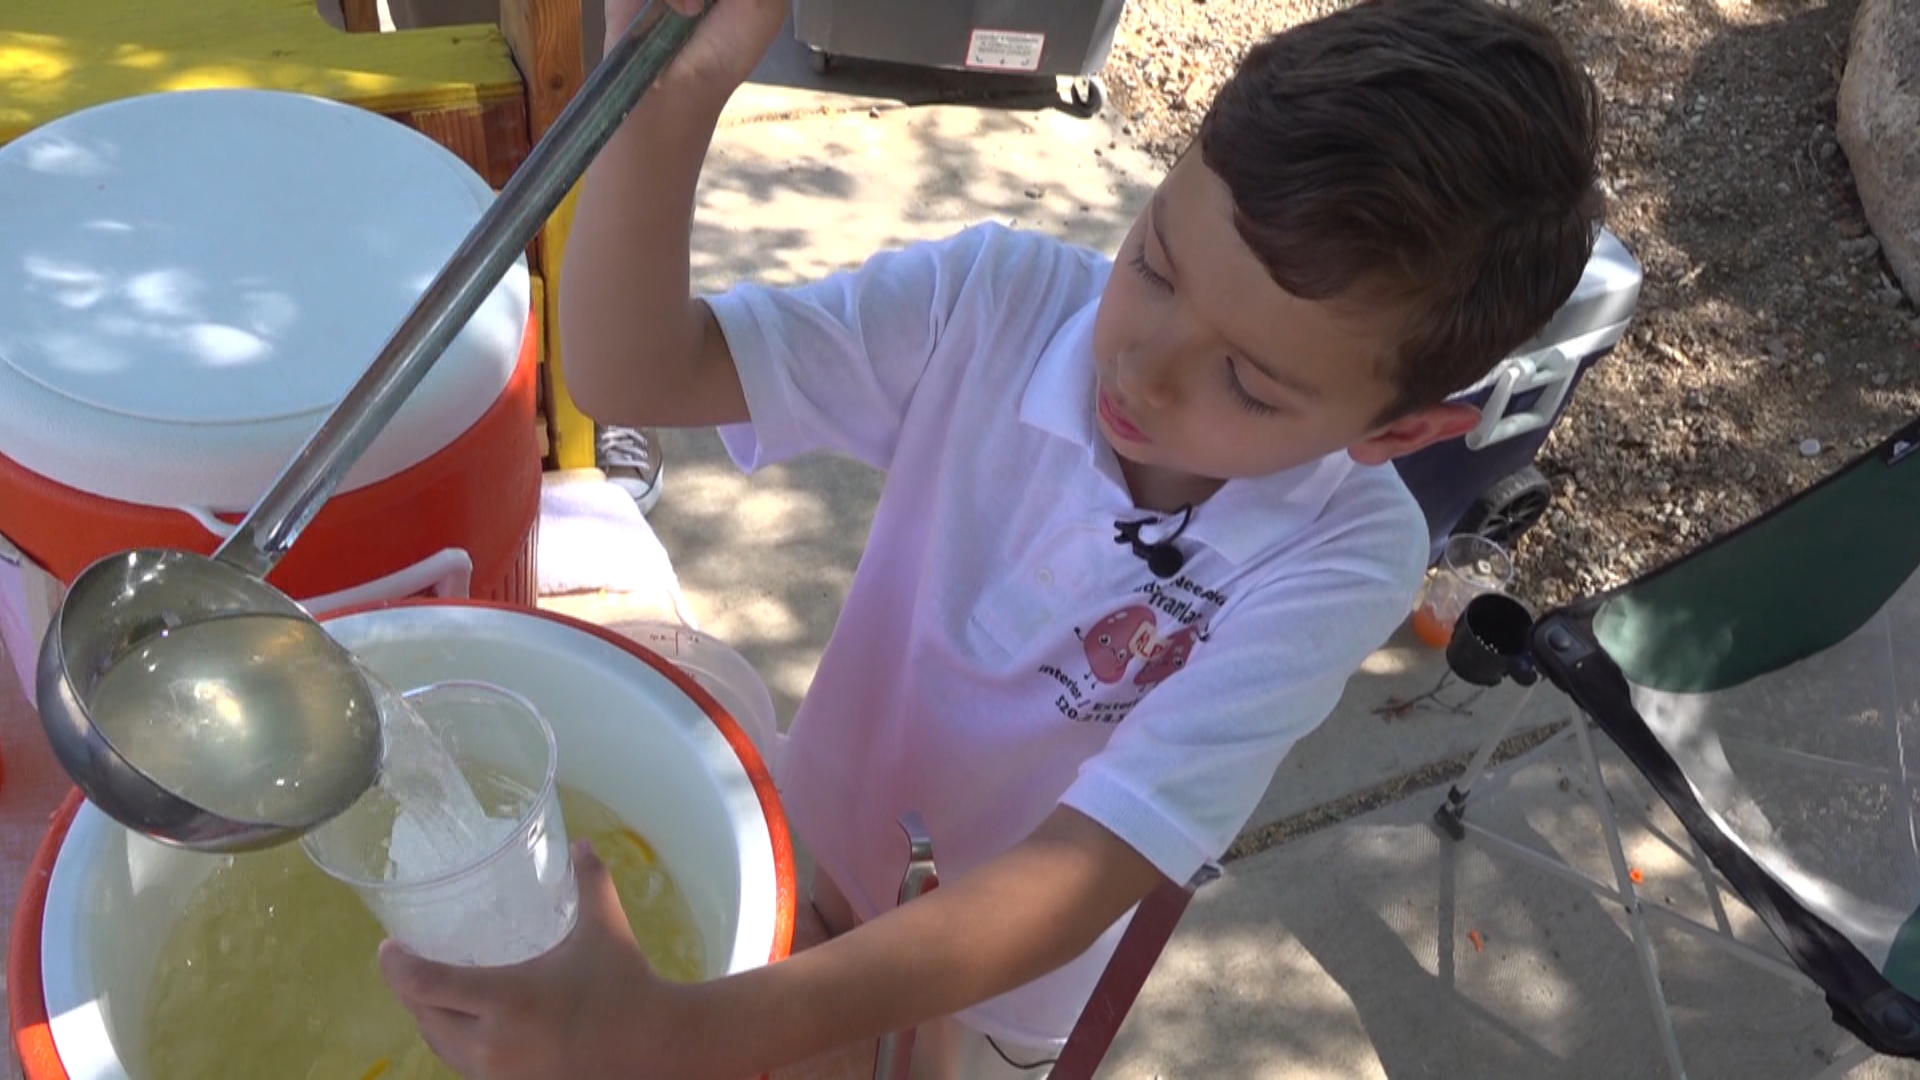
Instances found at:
x=1185 y=770
x=833 y=365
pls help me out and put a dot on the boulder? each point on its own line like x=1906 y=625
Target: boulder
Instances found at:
x=1879 y=128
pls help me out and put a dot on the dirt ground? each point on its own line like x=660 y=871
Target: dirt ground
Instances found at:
x=1771 y=343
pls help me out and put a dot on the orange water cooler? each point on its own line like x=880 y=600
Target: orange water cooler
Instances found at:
x=189 y=282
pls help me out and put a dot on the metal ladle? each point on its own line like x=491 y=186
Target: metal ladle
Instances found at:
x=195 y=703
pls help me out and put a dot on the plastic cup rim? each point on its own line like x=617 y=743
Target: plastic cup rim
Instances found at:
x=534 y=808
x=1482 y=550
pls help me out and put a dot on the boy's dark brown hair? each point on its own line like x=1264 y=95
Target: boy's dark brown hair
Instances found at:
x=1436 y=154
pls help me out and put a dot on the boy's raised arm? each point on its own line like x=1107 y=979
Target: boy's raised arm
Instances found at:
x=638 y=349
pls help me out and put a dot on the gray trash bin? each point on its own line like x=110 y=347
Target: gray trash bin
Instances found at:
x=1030 y=38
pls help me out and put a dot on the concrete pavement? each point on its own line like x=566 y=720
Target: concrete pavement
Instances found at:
x=1378 y=948
x=1337 y=944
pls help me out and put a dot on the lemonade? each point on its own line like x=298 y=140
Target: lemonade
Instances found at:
x=270 y=971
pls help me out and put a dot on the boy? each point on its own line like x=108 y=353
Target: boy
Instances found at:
x=1139 y=524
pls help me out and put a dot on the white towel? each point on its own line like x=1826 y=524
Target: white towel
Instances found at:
x=594 y=539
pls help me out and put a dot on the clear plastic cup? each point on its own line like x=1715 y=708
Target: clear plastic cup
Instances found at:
x=483 y=893
x=1469 y=566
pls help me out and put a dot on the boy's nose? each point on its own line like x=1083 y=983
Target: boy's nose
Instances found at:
x=1149 y=375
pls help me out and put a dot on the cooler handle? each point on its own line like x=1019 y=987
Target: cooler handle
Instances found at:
x=446 y=573
x=206 y=519
x=29 y=596
x=1550 y=369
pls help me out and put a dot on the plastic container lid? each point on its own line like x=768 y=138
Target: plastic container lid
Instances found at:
x=722 y=672
x=189 y=282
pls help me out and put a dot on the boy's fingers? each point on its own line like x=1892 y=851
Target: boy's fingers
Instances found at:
x=599 y=902
x=449 y=1035
x=421 y=982
x=473 y=991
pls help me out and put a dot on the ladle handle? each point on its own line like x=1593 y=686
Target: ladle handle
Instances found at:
x=556 y=163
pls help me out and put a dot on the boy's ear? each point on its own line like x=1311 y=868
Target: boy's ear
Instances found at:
x=1415 y=431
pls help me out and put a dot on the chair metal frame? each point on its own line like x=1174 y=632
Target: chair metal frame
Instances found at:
x=1640 y=908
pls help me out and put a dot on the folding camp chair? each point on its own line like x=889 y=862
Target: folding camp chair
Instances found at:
x=1766 y=686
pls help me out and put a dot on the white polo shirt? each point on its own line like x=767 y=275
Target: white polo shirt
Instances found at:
x=999 y=653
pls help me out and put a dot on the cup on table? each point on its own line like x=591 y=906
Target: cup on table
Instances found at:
x=1469 y=566
x=498 y=894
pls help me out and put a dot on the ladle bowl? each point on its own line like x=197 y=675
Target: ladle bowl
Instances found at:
x=255 y=747
x=194 y=702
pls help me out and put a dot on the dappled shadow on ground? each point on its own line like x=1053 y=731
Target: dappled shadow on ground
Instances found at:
x=787 y=204
x=1380 y=949
x=766 y=561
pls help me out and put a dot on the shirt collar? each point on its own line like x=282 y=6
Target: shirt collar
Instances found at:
x=1242 y=519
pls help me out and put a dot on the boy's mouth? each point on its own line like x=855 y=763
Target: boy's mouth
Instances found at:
x=1117 y=421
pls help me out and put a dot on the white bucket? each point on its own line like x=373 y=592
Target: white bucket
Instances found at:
x=633 y=733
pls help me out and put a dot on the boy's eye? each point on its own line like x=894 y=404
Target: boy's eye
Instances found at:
x=1139 y=263
x=1239 y=391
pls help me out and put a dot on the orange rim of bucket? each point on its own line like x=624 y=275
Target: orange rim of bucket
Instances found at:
x=26 y=1000
x=786 y=879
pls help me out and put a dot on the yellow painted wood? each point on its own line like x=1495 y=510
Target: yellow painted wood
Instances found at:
x=573 y=429
x=60 y=56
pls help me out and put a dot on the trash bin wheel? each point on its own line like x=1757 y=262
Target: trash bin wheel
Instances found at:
x=820 y=61
x=1089 y=96
x=1509 y=508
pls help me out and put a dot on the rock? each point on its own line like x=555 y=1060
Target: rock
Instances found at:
x=1819 y=359
x=1861 y=249
x=1810 y=448
x=1879 y=108
x=1036 y=192
x=1672 y=353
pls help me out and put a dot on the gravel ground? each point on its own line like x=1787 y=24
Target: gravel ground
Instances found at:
x=1771 y=343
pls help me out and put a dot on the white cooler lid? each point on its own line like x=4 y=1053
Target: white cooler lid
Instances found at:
x=190 y=281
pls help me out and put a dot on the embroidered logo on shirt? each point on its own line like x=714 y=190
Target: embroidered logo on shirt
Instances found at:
x=1133 y=639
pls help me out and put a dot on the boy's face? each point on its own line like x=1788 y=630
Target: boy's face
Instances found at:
x=1209 y=370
